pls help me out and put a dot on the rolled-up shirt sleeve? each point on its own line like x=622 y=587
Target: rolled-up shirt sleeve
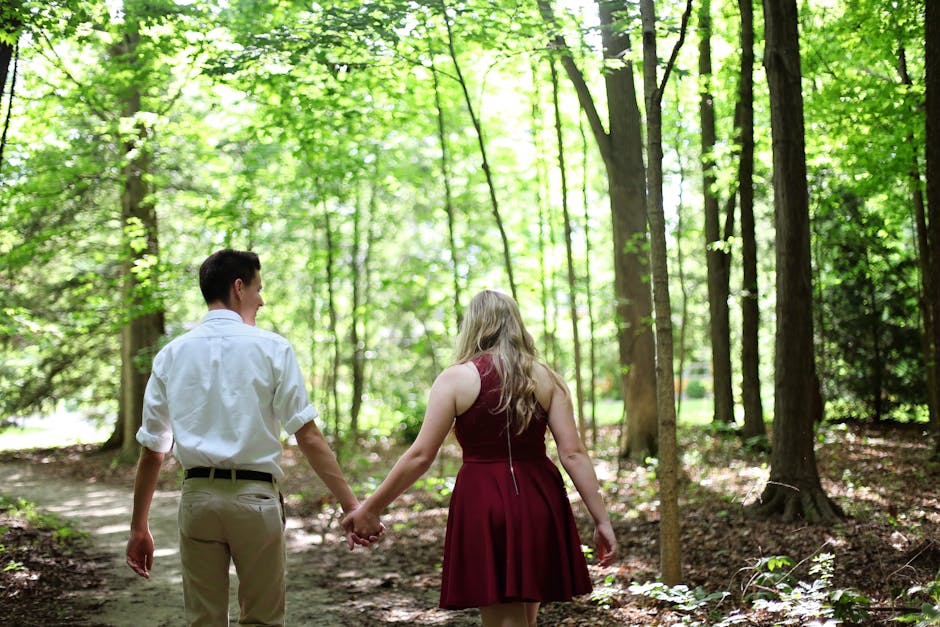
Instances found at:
x=291 y=404
x=155 y=431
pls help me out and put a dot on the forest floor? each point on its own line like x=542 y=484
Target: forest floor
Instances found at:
x=887 y=550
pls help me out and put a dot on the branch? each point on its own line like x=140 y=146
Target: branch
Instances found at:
x=581 y=88
x=6 y=124
x=675 y=50
x=81 y=88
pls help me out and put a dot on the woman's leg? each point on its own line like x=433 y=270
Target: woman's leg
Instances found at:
x=531 y=613
x=505 y=615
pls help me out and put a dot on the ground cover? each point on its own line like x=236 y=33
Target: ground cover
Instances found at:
x=879 y=565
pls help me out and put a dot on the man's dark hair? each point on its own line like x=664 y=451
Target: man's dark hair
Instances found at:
x=221 y=268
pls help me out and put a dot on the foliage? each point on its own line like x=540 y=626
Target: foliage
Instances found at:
x=772 y=589
x=681 y=596
x=868 y=289
x=27 y=511
x=798 y=602
x=280 y=126
x=929 y=613
x=696 y=389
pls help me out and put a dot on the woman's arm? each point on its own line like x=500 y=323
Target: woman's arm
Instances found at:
x=445 y=401
x=578 y=465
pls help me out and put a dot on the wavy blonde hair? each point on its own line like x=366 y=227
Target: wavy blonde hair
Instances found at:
x=492 y=324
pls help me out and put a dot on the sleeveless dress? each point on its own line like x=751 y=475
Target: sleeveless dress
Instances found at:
x=511 y=535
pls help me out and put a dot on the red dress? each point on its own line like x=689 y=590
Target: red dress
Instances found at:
x=502 y=546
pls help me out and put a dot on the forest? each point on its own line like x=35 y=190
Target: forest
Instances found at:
x=720 y=220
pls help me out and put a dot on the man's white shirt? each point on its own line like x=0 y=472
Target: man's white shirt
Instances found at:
x=220 y=394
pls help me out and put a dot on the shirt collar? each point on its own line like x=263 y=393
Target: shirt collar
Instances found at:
x=222 y=314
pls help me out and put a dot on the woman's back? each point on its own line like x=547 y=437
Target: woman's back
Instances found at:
x=482 y=429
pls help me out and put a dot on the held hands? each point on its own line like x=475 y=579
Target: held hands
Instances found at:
x=605 y=543
x=140 y=552
x=362 y=527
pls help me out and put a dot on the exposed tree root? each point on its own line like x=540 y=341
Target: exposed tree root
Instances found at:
x=793 y=501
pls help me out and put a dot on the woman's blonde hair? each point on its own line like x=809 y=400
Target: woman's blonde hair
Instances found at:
x=492 y=324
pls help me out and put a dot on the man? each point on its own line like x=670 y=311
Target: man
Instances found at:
x=218 y=396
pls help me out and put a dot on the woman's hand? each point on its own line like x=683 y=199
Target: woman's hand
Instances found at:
x=605 y=543
x=362 y=527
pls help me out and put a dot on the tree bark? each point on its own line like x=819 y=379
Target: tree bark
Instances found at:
x=569 y=257
x=334 y=325
x=545 y=231
x=668 y=468
x=622 y=151
x=794 y=490
x=360 y=273
x=750 y=311
x=680 y=270
x=717 y=255
x=143 y=313
x=932 y=81
x=448 y=195
x=588 y=251
x=494 y=204
x=9 y=53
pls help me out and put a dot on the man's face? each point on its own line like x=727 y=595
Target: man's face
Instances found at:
x=249 y=299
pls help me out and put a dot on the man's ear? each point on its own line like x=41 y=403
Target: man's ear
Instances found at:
x=237 y=287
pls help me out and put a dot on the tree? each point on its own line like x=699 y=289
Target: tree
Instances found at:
x=867 y=290
x=569 y=255
x=143 y=324
x=621 y=148
x=932 y=81
x=668 y=468
x=477 y=125
x=10 y=25
x=794 y=489
x=449 y=208
x=717 y=253
x=750 y=305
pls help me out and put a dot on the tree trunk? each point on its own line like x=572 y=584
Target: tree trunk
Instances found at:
x=622 y=151
x=546 y=233
x=10 y=27
x=569 y=256
x=923 y=253
x=143 y=314
x=794 y=490
x=680 y=269
x=588 y=252
x=717 y=254
x=932 y=83
x=507 y=259
x=8 y=54
x=360 y=260
x=623 y=156
x=334 y=326
x=750 y=311
x=448 y=195
x=668 y=468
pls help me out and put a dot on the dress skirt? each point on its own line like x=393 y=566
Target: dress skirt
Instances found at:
x=504 y=547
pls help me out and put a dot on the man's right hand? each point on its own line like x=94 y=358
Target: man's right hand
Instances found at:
x=140 y=552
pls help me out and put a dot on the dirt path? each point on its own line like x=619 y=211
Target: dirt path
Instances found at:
x=327 y=584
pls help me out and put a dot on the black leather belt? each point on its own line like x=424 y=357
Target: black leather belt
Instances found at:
x=226 y=473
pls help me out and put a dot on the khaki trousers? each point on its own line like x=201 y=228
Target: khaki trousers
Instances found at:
x=223 y=520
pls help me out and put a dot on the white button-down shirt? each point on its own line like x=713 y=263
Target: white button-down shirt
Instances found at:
x=219 y=395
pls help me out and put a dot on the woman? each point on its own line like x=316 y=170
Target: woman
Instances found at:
x=511 y=540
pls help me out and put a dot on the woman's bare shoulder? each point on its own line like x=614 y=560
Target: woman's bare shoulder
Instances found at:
x=462 y=383
x=546 y=384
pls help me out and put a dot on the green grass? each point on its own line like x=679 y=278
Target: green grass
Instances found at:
x=693 y=412
x=51 y=432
